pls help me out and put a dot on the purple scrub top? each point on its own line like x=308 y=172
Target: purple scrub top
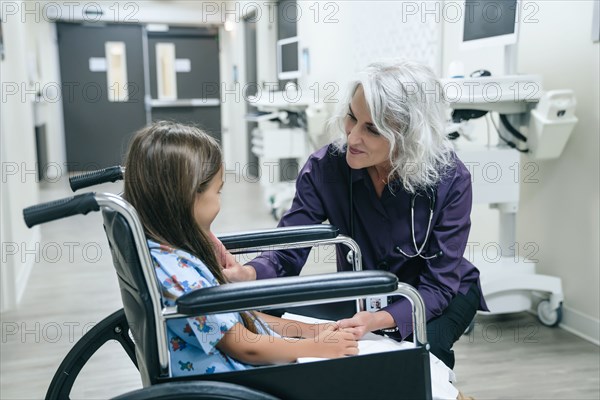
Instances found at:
x=381 y=225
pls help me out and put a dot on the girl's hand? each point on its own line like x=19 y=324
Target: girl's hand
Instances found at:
x=334 y=343
x=315 y=330
x=363 y=322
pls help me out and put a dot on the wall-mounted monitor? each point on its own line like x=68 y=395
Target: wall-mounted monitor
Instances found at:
x=490 y=23
x=288 y=58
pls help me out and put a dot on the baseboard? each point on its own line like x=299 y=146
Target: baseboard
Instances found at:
x=580 y=324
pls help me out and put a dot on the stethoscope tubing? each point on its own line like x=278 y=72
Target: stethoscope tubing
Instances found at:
x=419 y=250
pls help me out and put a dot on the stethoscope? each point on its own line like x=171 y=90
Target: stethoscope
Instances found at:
x=418 y=249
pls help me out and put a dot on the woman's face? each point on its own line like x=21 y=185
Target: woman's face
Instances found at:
x=366 y=147
x=208 y=203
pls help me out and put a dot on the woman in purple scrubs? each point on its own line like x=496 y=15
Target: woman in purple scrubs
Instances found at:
x=393 y=183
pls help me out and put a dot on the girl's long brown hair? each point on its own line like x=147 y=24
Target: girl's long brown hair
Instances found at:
x=166 y=166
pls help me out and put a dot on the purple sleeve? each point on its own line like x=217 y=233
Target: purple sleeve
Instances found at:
x=440 y=278
x=306 y=209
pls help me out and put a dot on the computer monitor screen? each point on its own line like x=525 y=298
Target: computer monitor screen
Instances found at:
x=288 y=66
x=490 y=22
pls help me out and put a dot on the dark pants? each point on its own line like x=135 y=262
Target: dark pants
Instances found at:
x=446 y=329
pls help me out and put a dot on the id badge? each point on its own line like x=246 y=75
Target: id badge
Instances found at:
x=376 y=303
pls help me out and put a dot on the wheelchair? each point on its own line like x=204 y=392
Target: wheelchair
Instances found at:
x=140 y=327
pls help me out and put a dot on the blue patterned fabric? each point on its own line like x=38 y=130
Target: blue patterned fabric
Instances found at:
x=192 y=341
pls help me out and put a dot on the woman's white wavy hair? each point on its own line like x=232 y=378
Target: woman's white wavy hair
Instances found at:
x=407 y=107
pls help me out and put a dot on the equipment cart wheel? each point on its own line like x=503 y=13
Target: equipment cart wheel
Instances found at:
x=547 y=315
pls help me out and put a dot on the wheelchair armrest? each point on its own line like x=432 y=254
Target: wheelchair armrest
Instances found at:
x=280 y=291
x=277 y=236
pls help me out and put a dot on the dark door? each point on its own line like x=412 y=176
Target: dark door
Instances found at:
x=196 y=95
x=98 y=125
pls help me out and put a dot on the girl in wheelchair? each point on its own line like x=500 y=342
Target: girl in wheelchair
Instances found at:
x=173 y=178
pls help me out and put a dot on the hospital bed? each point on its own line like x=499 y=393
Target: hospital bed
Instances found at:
x=140 y=327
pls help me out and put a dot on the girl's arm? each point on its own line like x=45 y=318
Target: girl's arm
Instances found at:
x=251 y=348
x=289 y=328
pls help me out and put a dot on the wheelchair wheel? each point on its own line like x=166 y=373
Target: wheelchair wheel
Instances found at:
x=196 y=390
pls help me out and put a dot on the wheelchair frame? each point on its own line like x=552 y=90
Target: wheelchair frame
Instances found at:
x=274 y=293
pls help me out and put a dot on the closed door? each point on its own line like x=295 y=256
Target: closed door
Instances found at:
x=103 y=91
x=184 y=77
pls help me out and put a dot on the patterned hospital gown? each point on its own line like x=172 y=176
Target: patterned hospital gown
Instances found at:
x=192 y=341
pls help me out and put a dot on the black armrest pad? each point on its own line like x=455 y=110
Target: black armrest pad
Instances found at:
x=271 y=237
x=262 y=293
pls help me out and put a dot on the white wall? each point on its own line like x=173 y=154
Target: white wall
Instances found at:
x=18 y=152
x=43 y=48
x=227 y=59
x=266 y=38
x=233 y=110
x=233 y=104
x=345 y=36
x=560 y=212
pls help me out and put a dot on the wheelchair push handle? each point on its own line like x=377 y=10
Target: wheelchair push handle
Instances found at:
x=110 y=174
x=46 y=212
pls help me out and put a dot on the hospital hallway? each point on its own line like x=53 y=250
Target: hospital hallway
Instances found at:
x=73 y=286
